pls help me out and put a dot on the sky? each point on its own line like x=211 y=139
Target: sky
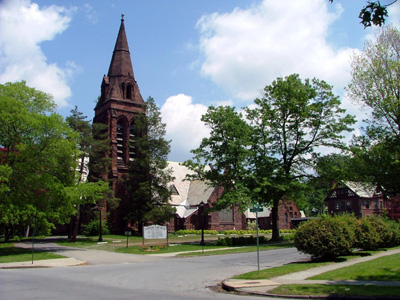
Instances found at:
x=186 y=54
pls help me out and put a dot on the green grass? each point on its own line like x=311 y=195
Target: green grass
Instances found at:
x=336 y=290
x=9 y=253
x=279 y=271
x=238 y=249
x=296 y=267
x=382 y=268
x=188 y=244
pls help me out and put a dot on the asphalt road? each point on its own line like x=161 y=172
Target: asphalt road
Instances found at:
x=137 y=277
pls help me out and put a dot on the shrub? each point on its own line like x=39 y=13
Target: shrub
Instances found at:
x=326 y=238
x=392 y=238
x=240 y=241
x=366 y=235
x=92 y=228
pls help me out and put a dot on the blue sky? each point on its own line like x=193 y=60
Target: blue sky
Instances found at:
x=186 y=54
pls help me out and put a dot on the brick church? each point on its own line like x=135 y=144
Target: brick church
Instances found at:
x=120 y=102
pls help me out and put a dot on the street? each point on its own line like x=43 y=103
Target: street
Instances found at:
x=154 y=278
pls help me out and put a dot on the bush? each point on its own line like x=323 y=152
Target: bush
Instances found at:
x=326 y=238
x=240 y=241
x=367 y=236
x=92 y=228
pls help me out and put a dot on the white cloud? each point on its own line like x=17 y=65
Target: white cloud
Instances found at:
x=246 y=49
x=91 y=15
x=23 y=27
x=184 y=126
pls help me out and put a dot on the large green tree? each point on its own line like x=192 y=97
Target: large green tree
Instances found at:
x=90 y=190
x=278 y=142
x=376 y=84
x=38 y=153
x=148 y=174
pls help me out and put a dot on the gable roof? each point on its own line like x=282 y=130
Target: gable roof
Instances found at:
x=361 y=189
x=199 y=191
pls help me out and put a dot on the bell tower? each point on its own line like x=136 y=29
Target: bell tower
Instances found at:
x=119 y=103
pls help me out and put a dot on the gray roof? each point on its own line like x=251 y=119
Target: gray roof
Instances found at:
x=361 y=189
x=199 y=191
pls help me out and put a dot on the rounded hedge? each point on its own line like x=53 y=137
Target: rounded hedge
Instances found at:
x=325 y=238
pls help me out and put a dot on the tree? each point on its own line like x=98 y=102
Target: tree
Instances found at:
x=376 y=84
x=277 y=143
x=38 y=153
x=96 y=192
x=330 y=168
x=373 y=13
x=148 y=175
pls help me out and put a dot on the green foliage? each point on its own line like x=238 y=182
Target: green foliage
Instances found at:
x=368 y=237
x=326 y=238
x=196 y=232
x=331 y=237
x=38 y=155
x=265 y=155
x=240 y=241
x=373 y=13
x=93 y=228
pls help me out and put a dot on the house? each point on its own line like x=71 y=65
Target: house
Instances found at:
x=288 y=212
x=360 y=198
x=192 y=198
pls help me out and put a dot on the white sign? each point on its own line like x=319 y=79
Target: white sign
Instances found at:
x=155 y=232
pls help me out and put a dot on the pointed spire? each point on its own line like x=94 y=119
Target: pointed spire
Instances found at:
x=121 y=64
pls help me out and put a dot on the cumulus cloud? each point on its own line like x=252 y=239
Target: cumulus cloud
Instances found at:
x=246 y=49
x=23 y=27
x=184 y=126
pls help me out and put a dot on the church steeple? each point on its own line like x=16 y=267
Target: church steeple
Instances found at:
x=121 y=64
x=120 y=83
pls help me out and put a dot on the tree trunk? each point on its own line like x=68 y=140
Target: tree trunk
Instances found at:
x=7 y=234
x=275 y=221
x=76 y=225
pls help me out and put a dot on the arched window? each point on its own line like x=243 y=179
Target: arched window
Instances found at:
x=132 y=148
x=123 y=90
x=120 y=143
x=129 y=91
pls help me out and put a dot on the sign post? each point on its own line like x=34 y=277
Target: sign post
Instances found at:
x=257 y=208
x=127 y=233
x=155 y=232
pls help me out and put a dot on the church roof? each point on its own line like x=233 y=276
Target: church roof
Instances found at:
x=121 y=64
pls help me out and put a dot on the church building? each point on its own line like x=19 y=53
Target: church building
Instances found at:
x=120 y=102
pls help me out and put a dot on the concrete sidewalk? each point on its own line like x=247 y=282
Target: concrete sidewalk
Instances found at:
x=262 y=287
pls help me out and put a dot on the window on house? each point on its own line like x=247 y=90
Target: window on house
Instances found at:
x=286 y=218
x=291 y=215
x=337 y=205
x=226 y=215
x=348 y=205
x=367 y=204
x=295 y=214
x=380 y=204
x=342 y=205
x=376 y=204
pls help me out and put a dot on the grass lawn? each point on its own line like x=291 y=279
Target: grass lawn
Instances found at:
x=9 y=253
x=188 y=244
x=382 y=268
x=335 y=290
